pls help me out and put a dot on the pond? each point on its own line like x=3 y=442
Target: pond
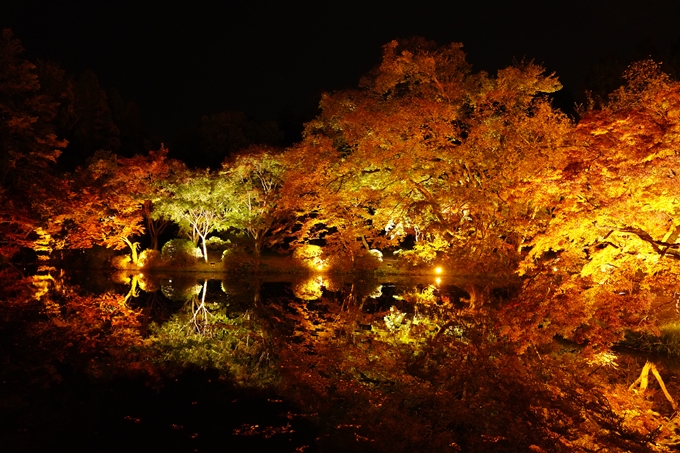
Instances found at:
x=209 y=362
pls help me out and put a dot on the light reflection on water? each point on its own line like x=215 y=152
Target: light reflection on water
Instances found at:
x=386 y=359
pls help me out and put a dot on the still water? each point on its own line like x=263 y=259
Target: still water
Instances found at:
x=205 y=362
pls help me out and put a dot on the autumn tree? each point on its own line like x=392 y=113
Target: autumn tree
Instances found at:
x=28 y=149
x=109 y=201
x=610 y=254
x=143 y=176
x=425 y=147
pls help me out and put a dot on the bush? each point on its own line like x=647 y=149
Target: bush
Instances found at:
x=122 y=262
x=308 y=252
x=181 y=252
x=311 y=256
x=150 y=258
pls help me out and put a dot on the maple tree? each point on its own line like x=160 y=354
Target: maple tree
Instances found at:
x=609 y=255
x=28 y=149
x=107 y=199
x=425 y=147
x=142 y=175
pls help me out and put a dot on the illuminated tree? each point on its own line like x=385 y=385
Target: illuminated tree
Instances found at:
x=99 y=210
x=28 y=149
x=143 y=175
x=199 y=202
x=610 y=254
x=106 y=201
x=428 y=148
x=255 y=177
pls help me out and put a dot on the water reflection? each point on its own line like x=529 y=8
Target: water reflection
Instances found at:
x=378 y=364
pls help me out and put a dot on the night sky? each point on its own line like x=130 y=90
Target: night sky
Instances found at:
x=179 y=61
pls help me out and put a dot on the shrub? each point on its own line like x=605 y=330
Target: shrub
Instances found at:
x=150 y=258
x=181 y=252
x=121 y=262
x=311 y=256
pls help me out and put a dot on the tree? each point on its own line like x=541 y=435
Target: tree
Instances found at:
x=143 y=175
x=84 y=115
x=28 y=149
x=107 y=200
x=199 y=202
x=610 y=252
x=100 y=210
x=429 y=149
x=223 y=134
x=256 y=177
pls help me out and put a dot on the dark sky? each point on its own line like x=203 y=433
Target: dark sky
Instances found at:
x=182 y=60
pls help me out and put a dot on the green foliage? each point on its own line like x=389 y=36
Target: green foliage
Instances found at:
x=215 y=243
x=181 y=252
x=235 y=346
x=256 y=177
x=198 y=202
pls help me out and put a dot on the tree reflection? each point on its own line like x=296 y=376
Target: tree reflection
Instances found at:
x=428 y=374
x=376 y=367
x=209 y=335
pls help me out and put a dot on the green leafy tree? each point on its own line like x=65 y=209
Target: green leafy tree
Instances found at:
x=199 y=202
x=256 y=177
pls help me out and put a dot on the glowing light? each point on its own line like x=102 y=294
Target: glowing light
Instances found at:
x=438 y=280
x=438 y=270
x=319 y=267
x=554 y=269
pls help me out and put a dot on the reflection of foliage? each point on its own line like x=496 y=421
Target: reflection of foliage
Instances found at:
x=181 y=289
x=425 y=377
x=100 y=333
x=204 y=335
x=310 y=289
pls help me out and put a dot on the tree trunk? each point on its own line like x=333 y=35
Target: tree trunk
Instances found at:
x=363 y=240
x=133 y=249
x=205 y=249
